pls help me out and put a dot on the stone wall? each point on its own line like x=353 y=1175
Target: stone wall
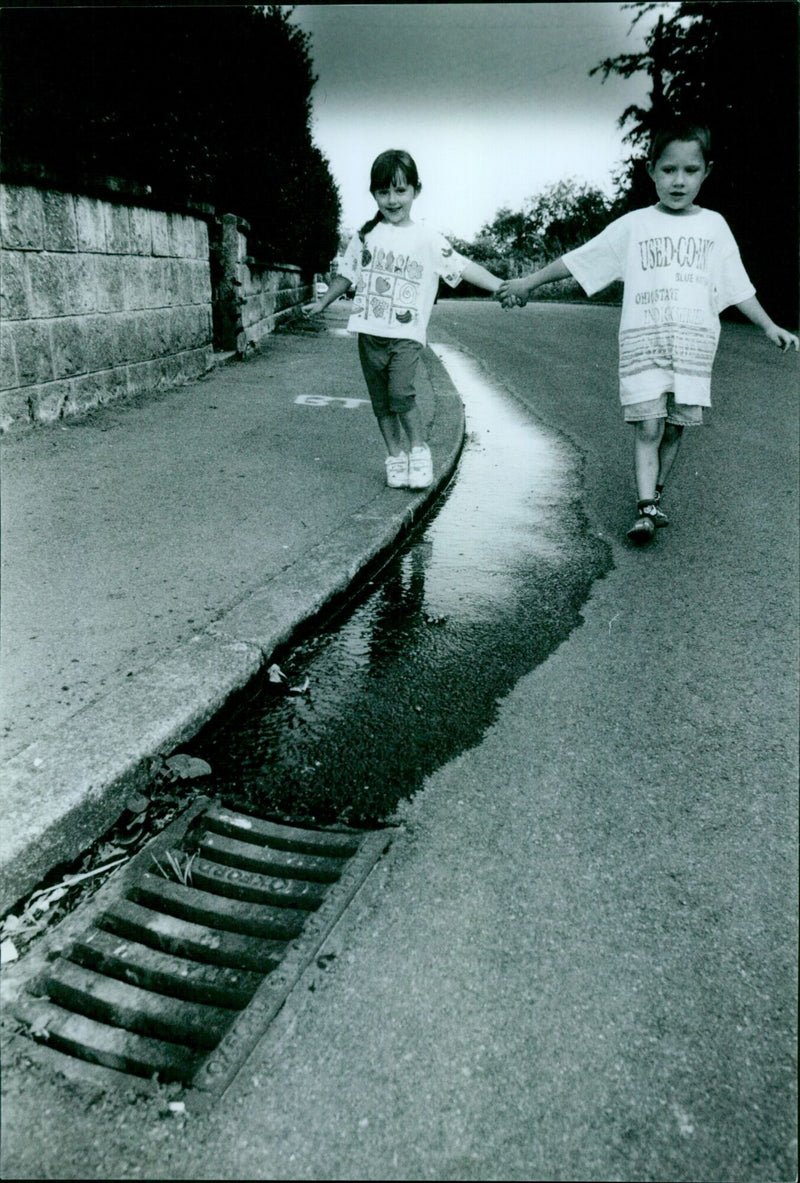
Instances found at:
x=98 y=300
x=252 y=296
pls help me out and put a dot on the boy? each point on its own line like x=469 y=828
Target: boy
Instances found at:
x=680 y=267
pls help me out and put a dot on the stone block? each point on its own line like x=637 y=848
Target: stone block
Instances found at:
x=159 y=222
x=201 y=282
x=208 y=327
x=171 y=371
x=118 y=229
x=136 y=285
x=91 y=224
x=197 y=327
x=99 y=342
x=95 y=389
x=130 y=339
x=47 y=401
x=143 y=377
x=80 y=273
x=8 y=359
x=141 y=232
x=175 y=330
x=201 y=244
x=185 y=327
x=156 y=333
x=180 y=283
x=21 y=217
x=110 y=283
x=15 y=409
x=33 y=351
x=162 y=289
x=13 y=286
x=183 y=240
x=51 y=285
x=60 y=225
x=69 y=346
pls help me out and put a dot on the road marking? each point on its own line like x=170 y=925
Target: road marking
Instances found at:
x=324 y=400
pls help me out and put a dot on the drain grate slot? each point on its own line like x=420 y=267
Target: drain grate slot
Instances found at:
x=164 y=973
x=251 y=829
x=180 y=976
x=112 y=1047
x=267 y=860
x=183 y=938
x=216 y=911
x=86 y=992
x=239 y=884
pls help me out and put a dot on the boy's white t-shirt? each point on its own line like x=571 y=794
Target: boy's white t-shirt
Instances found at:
x=679 y=272
x=396 y=273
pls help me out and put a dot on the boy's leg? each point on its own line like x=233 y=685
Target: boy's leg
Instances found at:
x=648 y=434
x=668 y=451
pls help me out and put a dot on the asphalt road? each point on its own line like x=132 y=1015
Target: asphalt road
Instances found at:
x=579 y=960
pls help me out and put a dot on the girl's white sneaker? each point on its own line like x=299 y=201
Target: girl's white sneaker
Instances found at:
x=397 y=471
x=420 y=467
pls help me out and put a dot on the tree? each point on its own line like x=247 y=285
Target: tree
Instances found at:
x=516 y=242
x=566 y=214
x=733 y=66
x=203 y=103
x=551 y=222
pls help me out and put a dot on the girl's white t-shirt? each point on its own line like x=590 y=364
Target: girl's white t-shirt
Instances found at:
x=396 y=272
x=679 y=273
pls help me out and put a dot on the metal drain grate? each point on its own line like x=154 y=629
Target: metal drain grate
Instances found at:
x=181 y=979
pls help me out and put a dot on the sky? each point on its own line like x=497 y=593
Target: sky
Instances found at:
x=493 y=101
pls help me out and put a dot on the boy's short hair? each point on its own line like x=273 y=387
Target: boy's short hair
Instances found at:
x=680 y=129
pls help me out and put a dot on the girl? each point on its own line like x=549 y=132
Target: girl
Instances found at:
x=681 y=267
x=395 y=265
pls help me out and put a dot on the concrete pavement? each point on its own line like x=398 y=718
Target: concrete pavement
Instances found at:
x=156 y=554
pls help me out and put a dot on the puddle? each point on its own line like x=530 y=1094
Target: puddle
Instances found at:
x=409 y=673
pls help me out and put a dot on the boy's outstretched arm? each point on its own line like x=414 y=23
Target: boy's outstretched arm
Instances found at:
x=474 y=273
x=516 y=292
x=780 y=337
x=337 y=287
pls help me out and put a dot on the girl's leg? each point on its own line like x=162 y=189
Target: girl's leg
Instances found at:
x=393 y=434
x=413 y=426
x=648 y=434
x=668 y=450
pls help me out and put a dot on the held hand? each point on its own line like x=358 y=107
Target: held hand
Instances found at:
x=513 y=293
x=783 y=339
x=314 y=309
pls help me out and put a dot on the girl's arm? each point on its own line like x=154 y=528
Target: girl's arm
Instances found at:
x=338 y=286
x=517 y=291
x=780 y=337
x=474 y=273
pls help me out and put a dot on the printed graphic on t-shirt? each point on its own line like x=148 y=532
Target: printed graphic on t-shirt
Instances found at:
x=676 y=349
x=671 y=332
x=389 y=286
x=678 y=275
x=396 y=274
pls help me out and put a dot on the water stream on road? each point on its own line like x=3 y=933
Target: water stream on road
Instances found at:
x=409 y=673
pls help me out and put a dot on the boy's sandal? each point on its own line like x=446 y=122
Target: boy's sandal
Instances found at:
x=642 y=529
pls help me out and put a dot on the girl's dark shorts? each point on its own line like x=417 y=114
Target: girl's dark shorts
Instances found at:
x=389 y=365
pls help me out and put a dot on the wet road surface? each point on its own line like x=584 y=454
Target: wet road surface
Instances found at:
x=410 y=673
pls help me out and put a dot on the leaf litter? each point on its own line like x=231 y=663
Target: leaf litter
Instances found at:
x=144 y=815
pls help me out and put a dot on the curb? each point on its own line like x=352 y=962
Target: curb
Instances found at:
x=69 y=786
